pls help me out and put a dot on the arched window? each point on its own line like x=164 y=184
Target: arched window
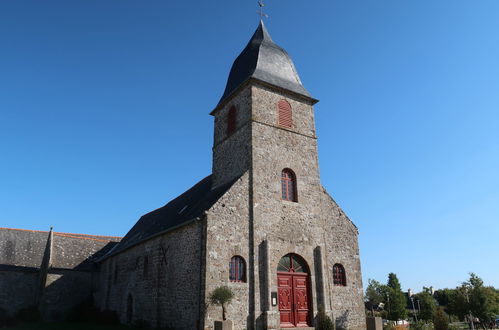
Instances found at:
x=285 y=114
x=237 y=269
x=292 y=263
x=288 y=183
x=339 y=277
x=231 y=121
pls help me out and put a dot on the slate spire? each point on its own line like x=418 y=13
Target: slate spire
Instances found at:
x=262 y=59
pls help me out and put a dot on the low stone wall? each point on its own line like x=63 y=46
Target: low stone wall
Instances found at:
x=17 y=290
x=64 y=290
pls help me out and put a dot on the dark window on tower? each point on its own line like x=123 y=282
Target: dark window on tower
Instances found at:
x=237 y=269
x=146 y=266
x=288 y=183
x=231 y=121
x=339 y=277
x=285 y=114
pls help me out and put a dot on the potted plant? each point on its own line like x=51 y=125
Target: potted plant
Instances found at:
x=222 y=296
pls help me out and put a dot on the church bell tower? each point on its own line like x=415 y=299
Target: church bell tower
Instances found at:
x=264 y=107
x=287 y=240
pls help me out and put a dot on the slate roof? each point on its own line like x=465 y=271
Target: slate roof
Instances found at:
x=263 y=60
x=180 y=211
x=22 y=249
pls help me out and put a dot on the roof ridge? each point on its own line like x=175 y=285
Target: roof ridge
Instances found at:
x=80 y=237
x=46 y=231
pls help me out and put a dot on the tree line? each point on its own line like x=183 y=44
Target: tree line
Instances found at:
x=472 y=301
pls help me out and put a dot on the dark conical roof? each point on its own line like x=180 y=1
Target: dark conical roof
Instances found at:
x=263 y=60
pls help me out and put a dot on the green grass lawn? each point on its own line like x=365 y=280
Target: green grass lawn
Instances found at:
x=66 y=326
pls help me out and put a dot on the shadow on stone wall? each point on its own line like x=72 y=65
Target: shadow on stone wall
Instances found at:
x=64 y=289
x=67 y=288
x=342 y=320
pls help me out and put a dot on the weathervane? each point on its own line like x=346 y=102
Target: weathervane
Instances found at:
x=260 y=12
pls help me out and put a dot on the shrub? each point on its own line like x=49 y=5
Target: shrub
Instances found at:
x=441 y=321
x=222 y=296
x=420 y=325
x=324 y=322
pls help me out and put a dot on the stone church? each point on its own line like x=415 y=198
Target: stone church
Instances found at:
x=261 y=223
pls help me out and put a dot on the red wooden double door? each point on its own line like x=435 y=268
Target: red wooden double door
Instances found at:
x=293 y=293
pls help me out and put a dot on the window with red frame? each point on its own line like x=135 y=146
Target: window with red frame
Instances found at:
x=237 y=269
x=339 y=277
x=231 y=121
x=285 y=117
x=288 y=183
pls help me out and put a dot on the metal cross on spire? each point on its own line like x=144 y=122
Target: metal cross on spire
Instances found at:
x=260 y=12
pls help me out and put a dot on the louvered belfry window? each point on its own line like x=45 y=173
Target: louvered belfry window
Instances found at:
x=237 y=269
x=285 y=114
x=339 y=277
x=288 y=183
x=231 y=121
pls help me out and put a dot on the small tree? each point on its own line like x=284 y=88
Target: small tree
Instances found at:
x=222 y=296
x=396 y=299
x=376 y=294
x=440 y=322
x=324 y=322
x=428 y=306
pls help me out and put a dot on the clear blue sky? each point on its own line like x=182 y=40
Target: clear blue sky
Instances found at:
x=104 y=116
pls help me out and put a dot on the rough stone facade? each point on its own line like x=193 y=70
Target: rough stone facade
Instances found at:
x=163 y=291
x=52 y=272
x=252 y=221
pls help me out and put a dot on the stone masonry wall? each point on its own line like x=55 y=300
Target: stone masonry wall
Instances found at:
x=69 y=275
x=312 y=224
x=17 y=290
x=342 y=247
x=227 y=236
x=64 y=290
x=157 y=281
x=314 y=228
x=231 y=154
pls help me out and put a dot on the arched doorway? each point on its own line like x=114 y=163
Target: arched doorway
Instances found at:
x=293 y=285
